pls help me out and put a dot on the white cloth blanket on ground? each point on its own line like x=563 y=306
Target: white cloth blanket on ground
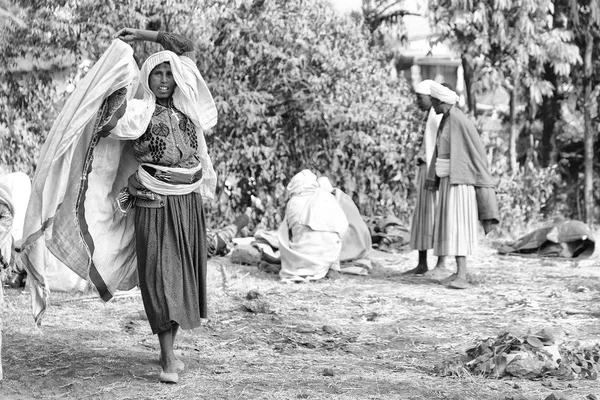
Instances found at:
x=310 y=236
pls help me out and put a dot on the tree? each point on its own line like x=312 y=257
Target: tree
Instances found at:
x=584 y=22
x=299 y=86
x=385 y=18
x=43 y=58
x=510 y=44
x=296 y=85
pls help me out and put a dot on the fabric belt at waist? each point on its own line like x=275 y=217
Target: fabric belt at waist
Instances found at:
x=174 y=177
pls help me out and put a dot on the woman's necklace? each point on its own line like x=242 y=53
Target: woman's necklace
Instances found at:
x=174 y=114
x=169 y=106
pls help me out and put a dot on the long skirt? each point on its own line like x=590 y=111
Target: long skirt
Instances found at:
x=456 y=220
x=421 y=232
x=171 y=258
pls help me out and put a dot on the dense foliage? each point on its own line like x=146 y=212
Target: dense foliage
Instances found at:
x=296 y=85
x=545 y=54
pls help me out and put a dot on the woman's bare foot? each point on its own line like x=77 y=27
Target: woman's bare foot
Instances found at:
x=179 y=366
x=168 y=377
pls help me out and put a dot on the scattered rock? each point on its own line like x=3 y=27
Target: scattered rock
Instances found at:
x=245 y=254
x=257 y=306
x=552 y=385
x=327 y=372
x=269 y=267
x=329 y=330
x=555 y=396
x=253 y=294
x=306 y=329
x=525 y=366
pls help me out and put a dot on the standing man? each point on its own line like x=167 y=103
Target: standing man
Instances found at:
x=421 y=233
x=466 y=189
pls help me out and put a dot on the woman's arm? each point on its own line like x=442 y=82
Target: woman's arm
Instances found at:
x=130 y=35
x=110 y=125
x=174 y=42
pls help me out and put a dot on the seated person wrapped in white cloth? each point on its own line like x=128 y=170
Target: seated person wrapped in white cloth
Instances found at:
x=310 y=236
x=6 y=224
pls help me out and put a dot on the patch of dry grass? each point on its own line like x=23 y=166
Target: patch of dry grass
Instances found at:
x=383 y=336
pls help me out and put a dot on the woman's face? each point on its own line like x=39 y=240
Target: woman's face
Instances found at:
x=161 y=81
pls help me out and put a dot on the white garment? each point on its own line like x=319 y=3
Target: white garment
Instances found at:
x=19 y=187
x=443 y=94
x=310 y=236
x=442 y=167
x=430 y=134
x=160 y=187
x=191 y=97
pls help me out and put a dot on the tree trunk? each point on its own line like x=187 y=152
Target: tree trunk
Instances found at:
x=514 y=129
x=1 y=326
x=588 y=159
x=550 y=114
x=468 y=77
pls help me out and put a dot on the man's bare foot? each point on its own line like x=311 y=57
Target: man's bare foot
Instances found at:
x=418 y=270
x=459 y=283
x=446 y=281
x=438 y=273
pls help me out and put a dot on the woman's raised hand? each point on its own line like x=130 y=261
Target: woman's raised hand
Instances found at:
x=128 y=35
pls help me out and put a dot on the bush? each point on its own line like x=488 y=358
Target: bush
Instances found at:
x=525 y=199
x=298 y=86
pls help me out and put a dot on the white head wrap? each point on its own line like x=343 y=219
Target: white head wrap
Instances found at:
x=191 y=97
x=304 y=180
x=325 y=183
x=443 y=94
x=424 y=87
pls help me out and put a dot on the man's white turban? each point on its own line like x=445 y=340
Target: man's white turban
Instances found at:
x=443 y=94
x=424 y=87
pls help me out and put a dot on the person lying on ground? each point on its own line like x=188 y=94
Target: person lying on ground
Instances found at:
x=219 y=241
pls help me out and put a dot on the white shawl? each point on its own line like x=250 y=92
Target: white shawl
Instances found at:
x=72 y=210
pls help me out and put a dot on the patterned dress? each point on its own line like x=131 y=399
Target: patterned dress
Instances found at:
x=171 y=238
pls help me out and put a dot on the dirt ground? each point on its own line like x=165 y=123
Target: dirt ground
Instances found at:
x=357 y=337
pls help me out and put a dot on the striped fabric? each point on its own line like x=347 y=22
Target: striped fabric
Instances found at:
x=456 y=220
x=421 y=233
